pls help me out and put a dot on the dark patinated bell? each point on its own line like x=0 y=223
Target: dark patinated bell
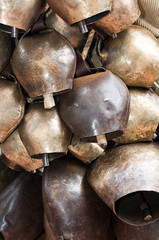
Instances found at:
x=44 y=63
x=126 y=179
x=12 y=106
x=133 y=56
x=80 y=12
x=44 y=133
x=73 y=211
x=21 y=215
x=96 y=108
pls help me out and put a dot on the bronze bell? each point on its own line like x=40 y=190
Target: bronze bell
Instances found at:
x=72 y=209
x=133 y=56
x=12 y=106
x=44 y=63
x=17 y=155
x=21 y=215
x=123 y=15
x=72 y=34
x=84 y=151
x=44 y=134
x=96 y=108
x=143 y=117
x=124 y=231
x=126 y=179
x=80 y=12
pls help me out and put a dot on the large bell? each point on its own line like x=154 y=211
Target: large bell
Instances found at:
x=73 y=210
x=21 y=215
x=12 y=106
x=44 y=134
x=44 y=63
x=17 y=155
x=80 y=12
x=126 y=179
x=133 y=56
x=123 y=15
x=143 y=117
x=97 y=106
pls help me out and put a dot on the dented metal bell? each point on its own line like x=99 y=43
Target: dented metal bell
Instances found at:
x=17 y=155
x=143 y=117
x=44 y=63
x=133 y=56
x=12 y=106
x=80 y=12
x=96 y=110
x=72 y=209
x=123 y=15
x=126 y=179
x=44 y=134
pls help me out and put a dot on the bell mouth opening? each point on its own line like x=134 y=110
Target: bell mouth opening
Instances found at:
x=51 y=156
x=138 y=208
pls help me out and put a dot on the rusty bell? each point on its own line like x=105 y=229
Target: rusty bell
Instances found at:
x=126 y=179
x=96 y=110
x=44 y=63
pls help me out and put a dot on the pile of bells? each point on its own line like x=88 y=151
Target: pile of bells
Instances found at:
x=79 y=118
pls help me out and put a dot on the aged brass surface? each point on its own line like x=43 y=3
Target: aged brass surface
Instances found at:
x=12 y=105
x=43 y=131
x=72 y=208
x=143 y=117
x=17 y=154
x=44 y=63
x=72 y=34
x=73 y=11
x=86 y=152
x=123 y=14
x=20 y=13
x=133 y=56
x=21 y=215
x=121 y=173
x=98 y=104
x=48 y=230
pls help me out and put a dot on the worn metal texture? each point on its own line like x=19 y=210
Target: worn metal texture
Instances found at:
x=98 y=104
x=123 y=15
x=74 y=11
x=17 y=155
x=72 y=208
x=44 y=63
x=21 y=208
x=20 y=13
x=43 y=131
x=12 y=106
x=143 y=117
x=121 y=173
x=133 y=56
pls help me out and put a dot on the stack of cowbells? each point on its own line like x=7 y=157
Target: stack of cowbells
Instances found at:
x=78 y=120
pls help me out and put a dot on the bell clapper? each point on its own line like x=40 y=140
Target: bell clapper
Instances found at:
x=102 y=141
x=146 y=212
x=155 y=86
x=114 y=35
x=83 y=26
x=45 y=160
x=88 y=44
x=48 y=101
x=15 y=34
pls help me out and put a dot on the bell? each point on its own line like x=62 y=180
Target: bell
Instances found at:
x=80 y=12
x=143 y=117
x=21 y=215
x=44 y=134
x=73 y=211
x=72 y=34
x=126 y=179
x=17 y=155
x=44 y=63
x=124 y=231
x=133 y=56
x=12 y=106
x=86 y=152
x=96 y=110
x=122 y=16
